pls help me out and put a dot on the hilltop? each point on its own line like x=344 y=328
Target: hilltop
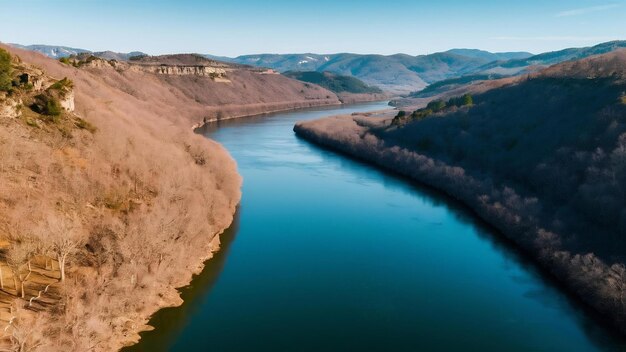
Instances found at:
x=541 y=157
x=486 y=55
x=398 y=74
x=539 y=61
x=492 y=74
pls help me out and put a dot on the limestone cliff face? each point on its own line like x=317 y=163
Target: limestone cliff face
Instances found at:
x=216 y=72
x=177 y=70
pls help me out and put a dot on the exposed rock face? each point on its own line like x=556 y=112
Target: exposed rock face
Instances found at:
x=37 y=83
x=182 y=70
x=9 y=107
x=67 y=101
x=206 y=90
x=216 y=72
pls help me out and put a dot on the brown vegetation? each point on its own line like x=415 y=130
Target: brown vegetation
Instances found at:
x=103 y=211
x=205 y=90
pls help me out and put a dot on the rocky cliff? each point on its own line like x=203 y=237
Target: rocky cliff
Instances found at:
x=209 y=90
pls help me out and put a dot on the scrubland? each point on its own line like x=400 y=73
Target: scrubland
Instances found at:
x=119 y=192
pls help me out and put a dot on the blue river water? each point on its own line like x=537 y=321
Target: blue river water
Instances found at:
x=330 y=254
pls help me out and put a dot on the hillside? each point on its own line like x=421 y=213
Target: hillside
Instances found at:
x=541 y=158
x=111 y=185
x=348 y=89
x=333 y=82
x=534 y=62
x=447 y=85
x=105 y=154
x=206 y=90
x=494 y=73
x=482 y=54
x=100 y=155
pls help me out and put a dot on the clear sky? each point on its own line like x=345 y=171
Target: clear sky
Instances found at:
x=234 y=27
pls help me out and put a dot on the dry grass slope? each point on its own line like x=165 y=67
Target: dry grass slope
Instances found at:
x=120 y=189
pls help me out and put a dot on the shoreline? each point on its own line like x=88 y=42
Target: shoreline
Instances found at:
x=280 y=110
x=112 y=300
x=175 y=300
x=354 y=142
x=272 y=111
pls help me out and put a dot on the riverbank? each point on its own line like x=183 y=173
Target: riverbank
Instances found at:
x=584 y=274
x=363 y=250
x=235 y=112
x=143 y=200
x=143 y=176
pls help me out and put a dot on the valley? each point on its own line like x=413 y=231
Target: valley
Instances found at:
x=156 y=199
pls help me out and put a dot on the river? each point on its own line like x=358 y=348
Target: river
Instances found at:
x=330 y=254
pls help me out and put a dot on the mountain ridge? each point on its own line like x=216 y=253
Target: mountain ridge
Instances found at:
x=399 y=74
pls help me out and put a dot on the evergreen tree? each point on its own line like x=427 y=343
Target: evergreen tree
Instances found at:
x=5 y=70
x=468 y=100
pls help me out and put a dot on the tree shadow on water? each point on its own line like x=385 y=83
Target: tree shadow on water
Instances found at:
x=170 y=322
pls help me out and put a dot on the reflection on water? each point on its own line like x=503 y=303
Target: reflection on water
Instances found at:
x=333 y=255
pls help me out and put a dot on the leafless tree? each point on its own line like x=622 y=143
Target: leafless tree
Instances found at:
x=21 y=332
x=616 y=279
x=63 y=240
x=16 y=257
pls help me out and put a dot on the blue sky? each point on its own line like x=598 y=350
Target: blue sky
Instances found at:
x=322 y=26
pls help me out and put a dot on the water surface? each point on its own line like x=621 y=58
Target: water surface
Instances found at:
x=329 y=254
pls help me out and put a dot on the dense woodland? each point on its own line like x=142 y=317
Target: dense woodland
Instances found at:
x=543 y=159
x=561 y=138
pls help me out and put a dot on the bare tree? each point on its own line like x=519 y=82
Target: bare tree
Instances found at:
x=616 y=279
x=21 y=332
x=63 y=240
x=1 y=278
x=16 y=257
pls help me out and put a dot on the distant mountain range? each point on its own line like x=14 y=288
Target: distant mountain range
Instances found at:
x=398 y=74
x=515 y=66
x=402 y=74
x=57 y=52
x=486 y=55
